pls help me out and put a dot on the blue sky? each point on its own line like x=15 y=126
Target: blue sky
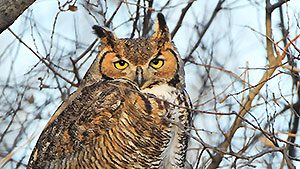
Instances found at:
x=235 y=26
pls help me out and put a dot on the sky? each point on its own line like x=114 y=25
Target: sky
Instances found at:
x=239 y=23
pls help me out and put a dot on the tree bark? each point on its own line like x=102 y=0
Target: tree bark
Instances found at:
x=10 y=10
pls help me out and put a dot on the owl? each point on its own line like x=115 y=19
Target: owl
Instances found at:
x=131 y=111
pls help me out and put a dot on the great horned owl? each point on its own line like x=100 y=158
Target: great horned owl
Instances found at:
x=131 y=112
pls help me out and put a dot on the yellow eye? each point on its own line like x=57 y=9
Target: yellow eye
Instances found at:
x=121 y=64
x=157 y=63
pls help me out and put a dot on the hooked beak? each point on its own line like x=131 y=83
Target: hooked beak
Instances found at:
x=139 y=79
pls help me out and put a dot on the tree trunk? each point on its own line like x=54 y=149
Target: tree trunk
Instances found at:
x=10 y=10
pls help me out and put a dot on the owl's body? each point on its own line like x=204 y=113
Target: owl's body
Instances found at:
x=131 y=112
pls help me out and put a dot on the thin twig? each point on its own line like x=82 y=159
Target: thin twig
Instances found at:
x=43 y=60
x=179 y=22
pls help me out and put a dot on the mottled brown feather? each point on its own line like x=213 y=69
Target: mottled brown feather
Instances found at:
x=116 y=120
x=96 y=121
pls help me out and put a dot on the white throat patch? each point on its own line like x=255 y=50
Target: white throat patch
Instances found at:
x=163 y=91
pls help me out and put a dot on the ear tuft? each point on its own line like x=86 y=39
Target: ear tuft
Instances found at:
x=98 y=30
x=161 y=21
x=161 y=33
x=107 y=37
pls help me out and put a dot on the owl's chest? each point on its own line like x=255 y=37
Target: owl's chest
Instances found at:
x=177 y=117
x=171 y=97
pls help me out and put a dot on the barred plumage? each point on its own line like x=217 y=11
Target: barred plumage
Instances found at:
x=129 y=114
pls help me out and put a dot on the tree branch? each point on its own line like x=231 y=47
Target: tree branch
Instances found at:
x=147 y=17
x=276 y=5
x=294 y=121
x=204 y=30
x=137 y=16
x=44 y=61
x=183 y=12
x=274 y=62
x=10 y=10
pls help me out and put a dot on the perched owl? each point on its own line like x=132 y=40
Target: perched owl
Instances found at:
x=132 y=110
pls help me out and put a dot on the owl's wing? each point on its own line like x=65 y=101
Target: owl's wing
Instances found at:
x=100 y=120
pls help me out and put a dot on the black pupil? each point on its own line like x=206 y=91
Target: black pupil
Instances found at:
x=122 y=62
x=155 y=61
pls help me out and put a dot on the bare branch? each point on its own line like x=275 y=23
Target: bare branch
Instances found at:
x=43 y=61
x=183 y=12
x=272 y=7
x=247 y=105
x=204 y=30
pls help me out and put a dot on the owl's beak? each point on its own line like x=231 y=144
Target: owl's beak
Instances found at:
x=139 y=79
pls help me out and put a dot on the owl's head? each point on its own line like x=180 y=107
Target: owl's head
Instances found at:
x=144 y=61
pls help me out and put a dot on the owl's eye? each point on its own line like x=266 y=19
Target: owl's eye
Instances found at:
x=121 y=64
x=157 y=63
